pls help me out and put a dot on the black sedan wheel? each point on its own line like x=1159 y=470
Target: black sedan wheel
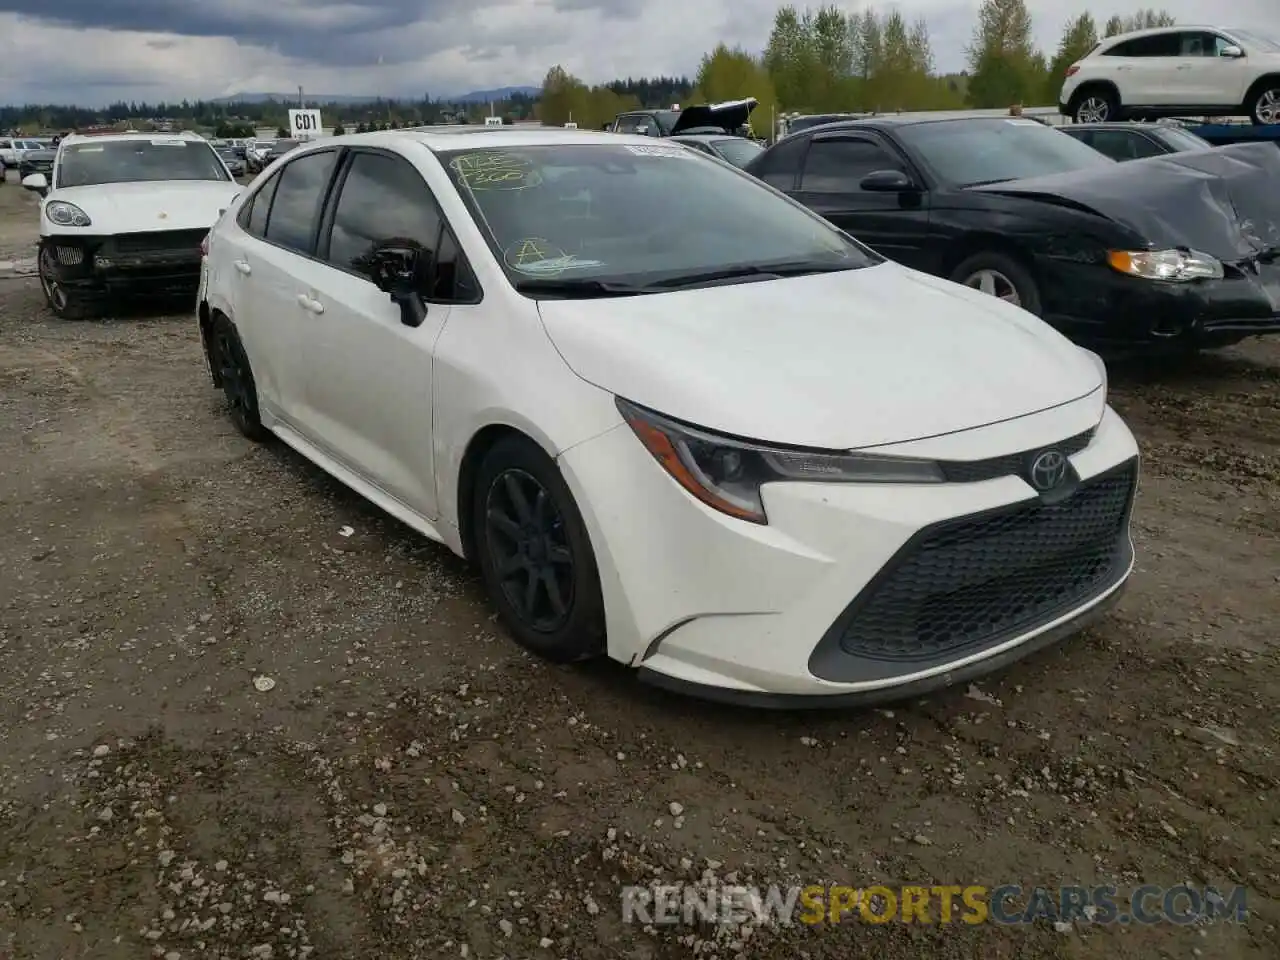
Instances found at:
x=236 y=378
x=535 y=555
x=1000 y=275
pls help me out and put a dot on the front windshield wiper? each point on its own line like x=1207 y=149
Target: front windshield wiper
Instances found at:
x=987 y=183
x=762 y=271
x=579 y=288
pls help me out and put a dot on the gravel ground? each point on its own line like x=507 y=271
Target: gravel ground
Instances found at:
x=415 y=786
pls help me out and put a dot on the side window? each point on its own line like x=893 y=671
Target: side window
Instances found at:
x=640 y=124
x=1156 y=45
x=779 y=165
x=838 y=166
x=299 y=195
x=253 y=218
x=1200 y=43
x=384 y=203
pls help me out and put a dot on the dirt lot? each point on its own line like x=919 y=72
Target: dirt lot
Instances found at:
x=414 y=786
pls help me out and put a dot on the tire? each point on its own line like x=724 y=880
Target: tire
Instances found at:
x=1012 y=282
x=1094 y=105
x=526 y=543
x=65 y=304
x=1264 y=103
x=235 y=376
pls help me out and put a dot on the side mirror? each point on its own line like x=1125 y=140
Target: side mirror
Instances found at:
x=36 y=182
x=1231 y=50
x=397 y=271
x=886 y=181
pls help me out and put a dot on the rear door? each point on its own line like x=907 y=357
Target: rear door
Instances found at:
x=894 y=224
x=275 y=245
x=1146 y=69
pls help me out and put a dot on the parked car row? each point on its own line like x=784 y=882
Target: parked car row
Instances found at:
x=810 y=437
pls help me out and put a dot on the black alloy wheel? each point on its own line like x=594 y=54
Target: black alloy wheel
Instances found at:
x=535 y=555
x=236 y=378
x=531 y=553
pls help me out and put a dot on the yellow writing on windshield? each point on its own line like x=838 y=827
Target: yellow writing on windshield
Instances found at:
x=496 y=171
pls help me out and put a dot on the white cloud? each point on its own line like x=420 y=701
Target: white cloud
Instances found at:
x=458 y=46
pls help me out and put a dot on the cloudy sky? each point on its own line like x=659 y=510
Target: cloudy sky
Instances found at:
x=97 y=51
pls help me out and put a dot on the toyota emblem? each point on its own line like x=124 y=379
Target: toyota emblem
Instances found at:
x=1048 y=470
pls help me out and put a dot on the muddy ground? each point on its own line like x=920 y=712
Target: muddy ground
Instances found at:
x=415 y=786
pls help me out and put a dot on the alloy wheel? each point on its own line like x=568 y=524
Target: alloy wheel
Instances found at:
x=1268 y=107
x=530 y=551
x=1093 y=110
x=995 y=284
x=53 y=290
x=235 y=376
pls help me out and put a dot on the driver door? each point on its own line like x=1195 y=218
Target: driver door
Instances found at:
x=368 y=393
x=895 y=225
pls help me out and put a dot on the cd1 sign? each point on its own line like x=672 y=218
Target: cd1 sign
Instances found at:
x=304 y=123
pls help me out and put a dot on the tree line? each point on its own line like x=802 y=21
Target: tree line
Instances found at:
x=827 y=60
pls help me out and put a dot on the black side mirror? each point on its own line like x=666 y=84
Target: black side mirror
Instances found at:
x=886 y=181
x=398 y=272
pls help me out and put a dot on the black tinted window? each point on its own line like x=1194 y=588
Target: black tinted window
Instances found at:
x=384 y=203
x=298 y=197
x=452 y=279
x=779 y=165
x=838 y=166
x=254 y=217
x=1123 y=145
x=638 y=123
x=1159 y=45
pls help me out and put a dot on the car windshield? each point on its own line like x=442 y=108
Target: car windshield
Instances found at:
x=1183 y=140
x=738 y=150
x=135 y=161
x=1262 y=41
x=588 y=212
x=966 y=153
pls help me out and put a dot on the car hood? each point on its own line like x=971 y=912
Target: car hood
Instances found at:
x=729 y=115
x=134 y=207
x=838 y=361
x=1223 y=202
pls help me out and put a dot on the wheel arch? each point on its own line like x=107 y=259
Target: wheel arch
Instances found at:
x=481 y=442
x=977 y=242
x=206 y=315
x=1257 y=87
x=1089 y=86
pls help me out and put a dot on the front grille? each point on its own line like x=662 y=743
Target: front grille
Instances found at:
x=157 y=241
x=973 y=471
x=978 y=580
x=70 y=256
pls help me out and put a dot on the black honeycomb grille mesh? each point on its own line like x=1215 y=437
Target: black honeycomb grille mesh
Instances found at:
x=977 y=580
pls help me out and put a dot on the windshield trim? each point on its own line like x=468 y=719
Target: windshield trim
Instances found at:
x=1251 y=38
x=869 y=258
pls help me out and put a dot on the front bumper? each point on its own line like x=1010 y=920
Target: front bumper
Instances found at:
x=1096 y=306
x=152 y=263
x=852 y=593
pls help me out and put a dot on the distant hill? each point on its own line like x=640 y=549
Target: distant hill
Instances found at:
x=475 y=96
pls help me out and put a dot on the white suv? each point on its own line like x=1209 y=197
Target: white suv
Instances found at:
x=1171 y=71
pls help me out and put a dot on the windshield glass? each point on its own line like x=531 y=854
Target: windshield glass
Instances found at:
x=135 y=161
x=737 y=150
x=636 y=214
x=968 y=152
x=1262 y=41
x=1183 y=140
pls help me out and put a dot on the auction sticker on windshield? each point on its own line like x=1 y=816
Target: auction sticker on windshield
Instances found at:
x=679 y=153
x=541 y=258
x=496 y=171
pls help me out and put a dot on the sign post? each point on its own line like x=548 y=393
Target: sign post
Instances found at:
x=304 y=124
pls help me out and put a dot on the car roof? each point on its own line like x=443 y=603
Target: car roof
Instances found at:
x=473 y=136
x=1157 y=31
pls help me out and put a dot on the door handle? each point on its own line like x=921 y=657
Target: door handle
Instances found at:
x=243 y=267
x=1184 y=66
x=307 y=303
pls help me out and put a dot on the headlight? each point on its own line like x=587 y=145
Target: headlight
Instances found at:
x=1100 y=364
x=66 y=214
x=1166 y=264
x=727 y=474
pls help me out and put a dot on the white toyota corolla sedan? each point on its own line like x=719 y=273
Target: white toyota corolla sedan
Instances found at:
x=673 y=417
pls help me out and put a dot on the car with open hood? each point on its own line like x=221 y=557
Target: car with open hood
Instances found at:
x=123 y=215
x=727 y=446
x=730 y=116
x=1178 y=252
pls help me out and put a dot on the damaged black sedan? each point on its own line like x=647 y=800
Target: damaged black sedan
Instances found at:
x=1179 y=252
